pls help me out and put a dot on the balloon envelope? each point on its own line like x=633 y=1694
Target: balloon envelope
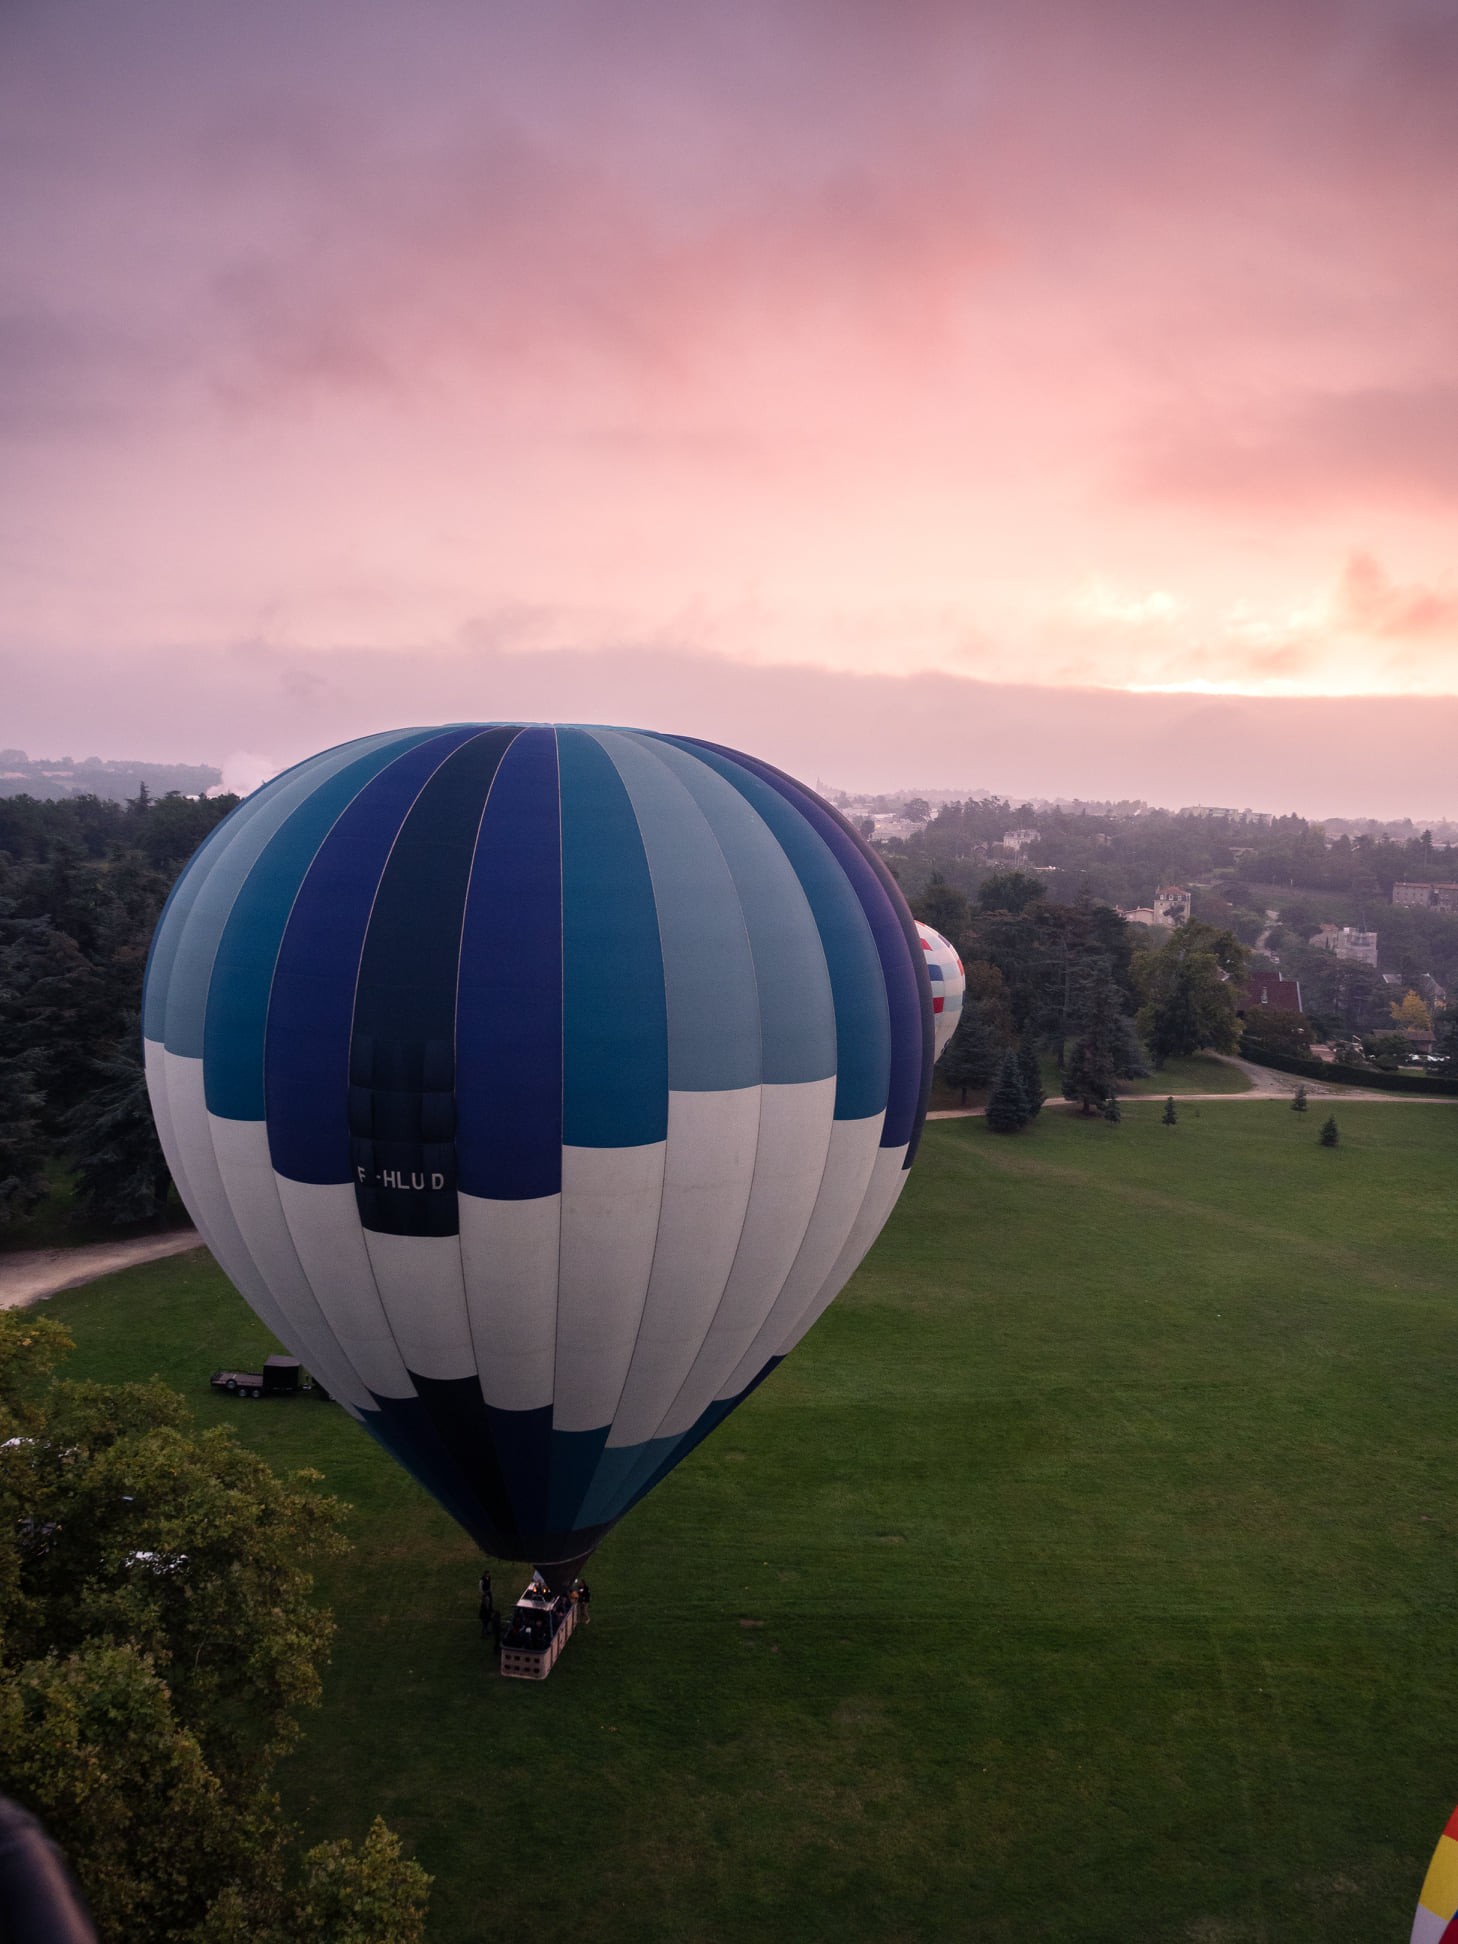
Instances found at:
x=1435 y=1922
x=948 y=985
x=538 y=1087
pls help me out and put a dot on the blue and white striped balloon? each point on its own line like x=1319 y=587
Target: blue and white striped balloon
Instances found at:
x=538 y=1087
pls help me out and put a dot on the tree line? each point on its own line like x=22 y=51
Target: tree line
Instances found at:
x=82 y=883
x=1075 y=982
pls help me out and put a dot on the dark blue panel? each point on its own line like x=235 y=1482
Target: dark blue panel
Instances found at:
x=509 y=1004
x=903 y=968
x=237 y=1000
x=614 y=1012
x=862 y=1020
x=523 y=1445
x=402 y=1067
x=311 y=1007
x=575 y=1456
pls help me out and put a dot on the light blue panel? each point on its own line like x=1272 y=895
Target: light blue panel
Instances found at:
x=862 y=1019
x=614 y=1026
x=708 y=969
x=180 y=900
x=796 y=1009
x=187 y=983
x=237 y=999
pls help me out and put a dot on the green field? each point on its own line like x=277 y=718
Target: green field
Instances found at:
x=1103 y=1541
x=1193 y=1073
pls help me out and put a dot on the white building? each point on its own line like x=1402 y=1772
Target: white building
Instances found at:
x=1348 y=943
x=1017 y=841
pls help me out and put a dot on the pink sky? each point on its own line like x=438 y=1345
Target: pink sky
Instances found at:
x=380 y=362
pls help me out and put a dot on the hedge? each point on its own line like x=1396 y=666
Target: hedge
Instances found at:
x=1348 y=1076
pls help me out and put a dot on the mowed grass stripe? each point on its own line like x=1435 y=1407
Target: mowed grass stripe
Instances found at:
x=1100 y=1538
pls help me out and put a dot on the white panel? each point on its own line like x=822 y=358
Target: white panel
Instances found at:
x=888 y=1178
x=324 y=1224
x=848 y=1162
x=241 y=1147
x=509 y=1251
x=707 y=1174
x=1427 y=1927
x=795 y=1124
x=424 y=1293
x=206 y=1194
x=155 y=1056
x=610 y=1203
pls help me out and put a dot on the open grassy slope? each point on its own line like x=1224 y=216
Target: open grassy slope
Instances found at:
x=1103 y=1541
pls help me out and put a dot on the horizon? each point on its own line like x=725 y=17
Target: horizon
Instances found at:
x=1032 y=377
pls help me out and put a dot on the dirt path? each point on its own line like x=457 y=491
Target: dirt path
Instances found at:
x=1266 y=1084
x=30 y=1275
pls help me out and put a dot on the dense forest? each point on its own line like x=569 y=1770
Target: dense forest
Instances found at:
x=82 y=882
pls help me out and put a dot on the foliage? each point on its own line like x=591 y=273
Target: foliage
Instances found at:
x=1030 y=1073
x=1008 y=1111
x=1010 y=891
x=82 y=883
x=156 y=1639
x=121 y=1175
x=1283 y=1032
x=1111 y=1110
x=1169 y=1116
x=973 y=1055
x=1092 y=1071
x=1298 y=1101
x=943 y=907
x=1328 y=1135
x=1189 y=986
x=1411 y=1014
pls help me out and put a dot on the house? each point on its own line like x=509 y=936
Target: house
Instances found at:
x=1017 y=841
x=1171 y=905
x=1267 y=989
x=1429 y=897
x=1428 y=987
x=1347 y=943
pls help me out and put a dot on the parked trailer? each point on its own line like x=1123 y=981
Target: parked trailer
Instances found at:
x=279 y=1377
x=541 y=1625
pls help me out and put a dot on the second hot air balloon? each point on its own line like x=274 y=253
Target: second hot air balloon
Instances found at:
x=538 y=1087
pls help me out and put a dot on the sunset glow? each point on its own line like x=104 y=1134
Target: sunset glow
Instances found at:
x=1075 y=346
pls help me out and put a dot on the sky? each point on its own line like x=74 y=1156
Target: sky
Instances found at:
x=1056 y=396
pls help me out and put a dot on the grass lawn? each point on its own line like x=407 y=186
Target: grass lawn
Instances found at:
x=1100 y=1541
x=1197 y=1073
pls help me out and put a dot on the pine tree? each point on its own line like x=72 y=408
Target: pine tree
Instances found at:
x=973 y=1055
x=1328 y=1136
x=1007 y=1107
x=1111 y=1110
x=1169 y=1117
x=1031 y=1075
x=1298 y=1101
x=1093 y=1067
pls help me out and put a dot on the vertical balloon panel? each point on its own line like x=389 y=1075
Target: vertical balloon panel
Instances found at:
x=539 y=1087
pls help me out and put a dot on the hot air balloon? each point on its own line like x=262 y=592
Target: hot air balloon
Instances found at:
x=948 y=985
x=538 y=1087
x=1436 y=1921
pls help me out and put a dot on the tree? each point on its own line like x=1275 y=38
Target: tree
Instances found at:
x=1007 y=1106
x=943 y=907
x=1111 y=1110
x=156 y=1640
x=1298 y=1101
x=1011 y=891
x=1189 y=986
x=1169 y=1117
x=972 y=1057
x=1266 y=1029
x=1411 y=1014
x=1030 y=1074
x=917 y=810
x=121 y=1175
x=22 y=1172
x=1093 y=1067
x=1328 y=1135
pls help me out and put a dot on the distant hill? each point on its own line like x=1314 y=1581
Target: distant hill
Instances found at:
x=52 y=778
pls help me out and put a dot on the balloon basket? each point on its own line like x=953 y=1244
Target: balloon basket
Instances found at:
x=541 y=1625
